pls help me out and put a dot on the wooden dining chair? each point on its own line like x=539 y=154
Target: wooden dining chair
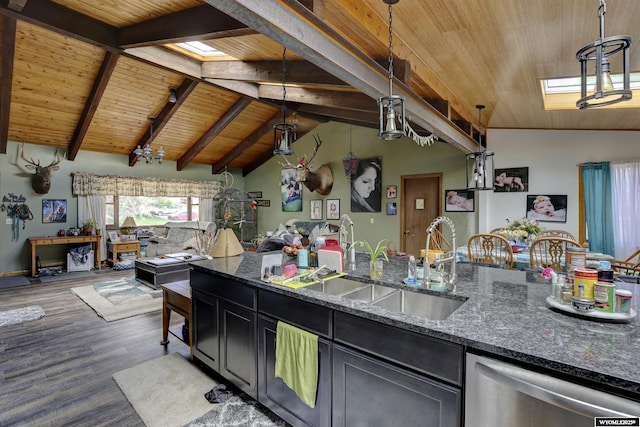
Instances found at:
x=491 y=249
x=549 y=252
x=556 y=233
x=629 y=266
x=438 y=242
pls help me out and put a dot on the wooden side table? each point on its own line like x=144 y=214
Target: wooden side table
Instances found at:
x=113 y=248
x=176 y=296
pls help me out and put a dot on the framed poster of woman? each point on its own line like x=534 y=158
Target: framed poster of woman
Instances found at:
x=365 y=186
x=333 y=209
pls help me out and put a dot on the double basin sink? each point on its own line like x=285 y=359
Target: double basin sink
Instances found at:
x=430 y=306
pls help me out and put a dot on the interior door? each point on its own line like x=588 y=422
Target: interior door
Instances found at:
x=420 y=199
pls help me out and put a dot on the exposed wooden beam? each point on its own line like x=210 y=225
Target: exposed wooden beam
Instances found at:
x=215 y=130
x=285 y=21
x=323 y=113
x=170 y=108
x=266 y=127
x=197 y=23
x=90 y=107
x=57 y=18
x=17 y=5
x=265 y=157
x=244 y=88
x=321 y=97
x=6 y=83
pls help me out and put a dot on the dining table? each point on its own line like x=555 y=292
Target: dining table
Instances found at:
x=521 y=259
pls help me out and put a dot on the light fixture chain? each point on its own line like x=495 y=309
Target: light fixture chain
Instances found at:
x=284 y=79
x=390 y=49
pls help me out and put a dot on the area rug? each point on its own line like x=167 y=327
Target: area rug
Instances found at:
x=66 y=276
x=118 y=299
x=21 y=315
x=13 y=281
x=169 y=391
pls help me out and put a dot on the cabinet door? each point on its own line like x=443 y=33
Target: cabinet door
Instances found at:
x=277 y=396
x=204 y=315
x=238 y=349
x=370 y=392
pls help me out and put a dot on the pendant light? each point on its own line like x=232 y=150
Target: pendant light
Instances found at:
x=479 y=165
x=350 y=163
x=283 y=132
x=146 y=153
x=602 y=51
x=392 y=114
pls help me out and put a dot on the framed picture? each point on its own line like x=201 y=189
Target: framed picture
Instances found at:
x=511 y=180
x=459 y=201
x=549 y=208
x=392 y=208
x=291 y=191
x=113 y=236
x=333 y=209
x=392 y=191
x=366 y=192
x=54 y=210
x=315 y=209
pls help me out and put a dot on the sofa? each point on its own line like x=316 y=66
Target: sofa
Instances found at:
x=180 y=236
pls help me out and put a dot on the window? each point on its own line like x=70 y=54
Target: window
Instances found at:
x=150 y=211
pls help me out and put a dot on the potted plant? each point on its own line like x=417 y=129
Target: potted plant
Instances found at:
x=376 y=256
x=88 y=226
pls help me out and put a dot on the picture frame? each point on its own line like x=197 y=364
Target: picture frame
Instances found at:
x=333 y=209
x=511 y=180
x=392 y=191
x=54 y=210
x=315 y=209
x=366 y=186
x=113 y=236
x=291 y=191
x=459 y=200
x=547 y=207
x=392 y=208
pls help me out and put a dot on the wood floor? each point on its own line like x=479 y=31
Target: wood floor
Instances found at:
x=56 y=371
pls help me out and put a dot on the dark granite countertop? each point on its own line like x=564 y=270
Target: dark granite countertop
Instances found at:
x=506 y=314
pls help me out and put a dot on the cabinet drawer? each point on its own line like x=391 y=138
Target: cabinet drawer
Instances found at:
x=224 y=288
x=312 y=317
x=425 y=354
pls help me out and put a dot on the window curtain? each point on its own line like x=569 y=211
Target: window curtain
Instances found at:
x=625 y=184
x=596 y=178
x=94 y=207
x=86 y=184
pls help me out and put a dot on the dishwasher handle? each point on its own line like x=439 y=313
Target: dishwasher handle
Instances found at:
x=532 y=384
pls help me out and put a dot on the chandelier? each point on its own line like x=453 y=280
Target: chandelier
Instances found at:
x=602 y=51
x=146 y=153
x=283 y=132
x=479 y=165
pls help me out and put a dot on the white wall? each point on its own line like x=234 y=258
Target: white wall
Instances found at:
x=552 y=157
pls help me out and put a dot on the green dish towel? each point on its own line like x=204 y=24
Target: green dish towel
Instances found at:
x=297 y=361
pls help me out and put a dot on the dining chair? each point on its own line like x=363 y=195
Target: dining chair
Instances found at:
x=549 y=252
x=556 y=233
x=438 y=242
x=628 y=267
x=491 y=249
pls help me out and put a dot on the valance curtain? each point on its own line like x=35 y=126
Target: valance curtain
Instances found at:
x=87 y=184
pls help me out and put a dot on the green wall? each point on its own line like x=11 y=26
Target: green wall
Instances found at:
x=16 y=179
x=401 y=157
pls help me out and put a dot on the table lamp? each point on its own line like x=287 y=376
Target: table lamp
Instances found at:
x=128 y=225
x=226 y=244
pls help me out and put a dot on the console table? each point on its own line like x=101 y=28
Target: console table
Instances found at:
x=34 y=242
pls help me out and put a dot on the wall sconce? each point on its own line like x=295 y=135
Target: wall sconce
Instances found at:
x=479 y=165
x=601 y=51
x=392 y=112
x=283 y=132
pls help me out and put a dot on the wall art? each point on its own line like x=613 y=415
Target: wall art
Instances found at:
x=366 y=192
x=550 y=208
x=511 y=180
x=333 y=209
x=315 y=209
x=54 y=210
x=459 y=201
x=291 y=191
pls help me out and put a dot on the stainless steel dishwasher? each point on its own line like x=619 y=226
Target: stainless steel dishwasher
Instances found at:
x=499 y=394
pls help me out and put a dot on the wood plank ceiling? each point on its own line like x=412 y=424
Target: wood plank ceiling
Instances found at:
x=85 y=76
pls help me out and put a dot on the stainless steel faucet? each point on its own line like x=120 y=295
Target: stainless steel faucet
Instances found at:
x=450 y=277
x=349 y=250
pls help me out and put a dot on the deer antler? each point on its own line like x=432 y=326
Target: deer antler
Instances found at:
x=55 y=161
x=30 y=163
x=318 y=144
x=288 y=164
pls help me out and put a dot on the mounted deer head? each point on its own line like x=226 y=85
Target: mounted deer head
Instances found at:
x=41 y=180
x=319 y=180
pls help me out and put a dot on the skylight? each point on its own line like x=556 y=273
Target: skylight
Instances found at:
x=562 y=94
x=201 y=49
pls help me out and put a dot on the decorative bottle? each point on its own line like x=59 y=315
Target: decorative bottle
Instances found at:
x=411 y=271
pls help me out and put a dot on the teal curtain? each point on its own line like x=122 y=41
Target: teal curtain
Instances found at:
x=596 y=178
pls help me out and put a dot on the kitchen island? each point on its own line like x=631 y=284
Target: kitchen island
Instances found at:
x=505 y=315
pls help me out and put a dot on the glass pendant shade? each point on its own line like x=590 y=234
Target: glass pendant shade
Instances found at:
x=146 y=153
x=601 y=53
x=480 y=171
x=283 y=139
x=392 y=117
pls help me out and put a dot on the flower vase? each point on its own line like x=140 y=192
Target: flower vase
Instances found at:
x=375 y=269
